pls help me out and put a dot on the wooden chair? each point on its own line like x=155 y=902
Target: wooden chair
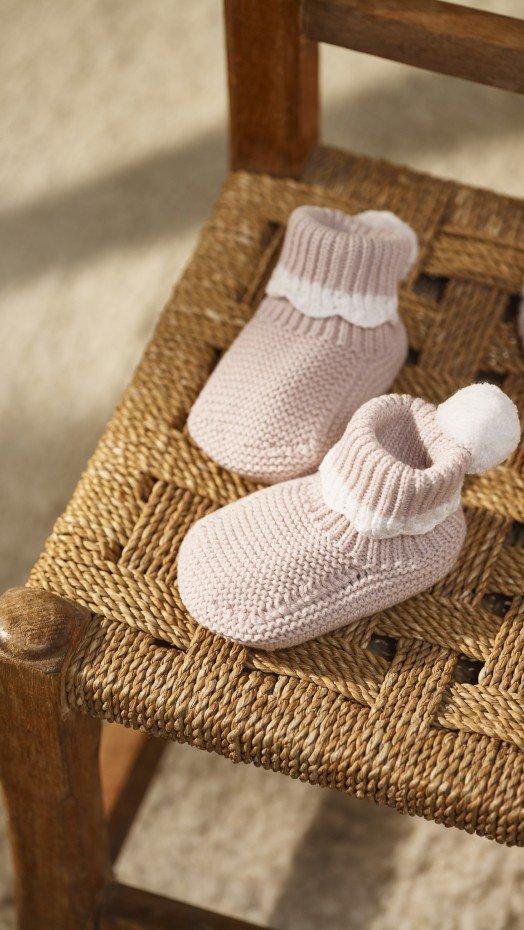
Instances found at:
x=419 y=707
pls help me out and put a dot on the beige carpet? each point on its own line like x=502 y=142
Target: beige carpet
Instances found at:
x=113 y=142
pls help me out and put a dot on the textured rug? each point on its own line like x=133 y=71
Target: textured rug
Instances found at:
x=113 y=140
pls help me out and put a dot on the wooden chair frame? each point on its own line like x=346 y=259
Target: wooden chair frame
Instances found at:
x=70 y=806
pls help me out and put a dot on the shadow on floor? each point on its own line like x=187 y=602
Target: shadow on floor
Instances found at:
x=171 y=190
x=419 y=114
x=342 y=868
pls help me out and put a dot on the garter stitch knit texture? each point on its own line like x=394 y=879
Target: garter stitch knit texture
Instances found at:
x=380 y=522
x=326 y=338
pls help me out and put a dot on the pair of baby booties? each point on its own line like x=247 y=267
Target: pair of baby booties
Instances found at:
x=381 y=518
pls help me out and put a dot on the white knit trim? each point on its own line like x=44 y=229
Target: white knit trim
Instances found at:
x=314 y=300
x=370 y=523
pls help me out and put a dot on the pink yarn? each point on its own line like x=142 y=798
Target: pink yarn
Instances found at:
x=350 y=265
x=288 y=563
x=325 y=339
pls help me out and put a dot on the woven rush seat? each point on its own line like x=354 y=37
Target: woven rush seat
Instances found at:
x=420 y=707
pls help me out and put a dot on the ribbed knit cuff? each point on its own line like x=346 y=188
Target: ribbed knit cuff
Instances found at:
x=367 y=342
x=394 y=472
x=349 y=266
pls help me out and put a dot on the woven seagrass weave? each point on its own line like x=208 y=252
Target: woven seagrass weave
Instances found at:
x=420 y=707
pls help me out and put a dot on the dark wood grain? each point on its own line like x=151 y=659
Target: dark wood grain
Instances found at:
x=128 y=762
x=37 y=628
x=273 y=87
x=48 y=767
x=126 y=908
x=444 y=37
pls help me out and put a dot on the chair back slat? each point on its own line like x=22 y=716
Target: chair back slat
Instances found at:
x=273 y=62
x=443 y=37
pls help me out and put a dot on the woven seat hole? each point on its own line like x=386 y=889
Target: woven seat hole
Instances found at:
x=271 y=229
x=496 y=603
x=413 y=356
x=163 y=643
x=178 y=421
x=114 y=552
x=383 y=646
x=467 y=670
x=430 y=286
x=493 y=377
x=512 y=308
x=145 y=487
x=217 y=355
x=515 y=536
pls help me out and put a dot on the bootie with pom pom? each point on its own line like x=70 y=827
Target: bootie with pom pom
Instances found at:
x=326 y=338
x=379 y=522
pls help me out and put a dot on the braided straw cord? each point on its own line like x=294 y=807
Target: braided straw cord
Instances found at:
x=420 y=707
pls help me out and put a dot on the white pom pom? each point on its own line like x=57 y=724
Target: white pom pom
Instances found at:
x=389 y=222
x=484 y=420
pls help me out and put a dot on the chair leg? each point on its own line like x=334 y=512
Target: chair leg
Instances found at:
x=49 y=767
x=273 y=87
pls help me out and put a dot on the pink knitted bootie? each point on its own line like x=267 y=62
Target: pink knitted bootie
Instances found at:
x=326 y=338
x=379 y=522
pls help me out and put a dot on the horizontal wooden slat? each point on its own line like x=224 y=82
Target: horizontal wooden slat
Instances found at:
x=126 y=908
x=444 y=37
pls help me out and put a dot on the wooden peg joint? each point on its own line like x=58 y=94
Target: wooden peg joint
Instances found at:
x=39 y=629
